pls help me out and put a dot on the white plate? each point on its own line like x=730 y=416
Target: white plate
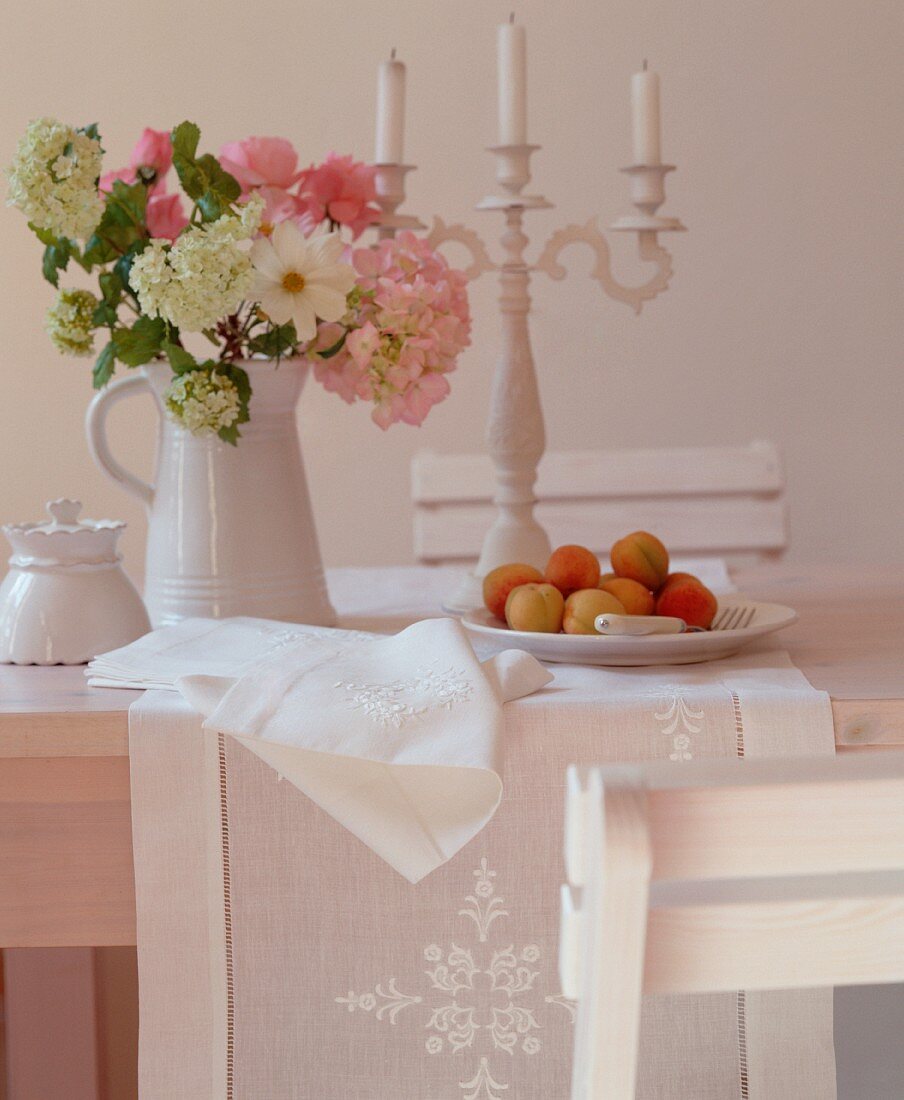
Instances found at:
x=653 y=649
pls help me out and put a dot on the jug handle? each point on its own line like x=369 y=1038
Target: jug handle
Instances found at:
x=96 y=429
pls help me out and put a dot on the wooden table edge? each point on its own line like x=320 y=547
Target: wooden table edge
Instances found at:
x=859 y=723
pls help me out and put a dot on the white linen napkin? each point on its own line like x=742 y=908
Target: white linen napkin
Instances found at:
x=398 y=738
x=215 y=647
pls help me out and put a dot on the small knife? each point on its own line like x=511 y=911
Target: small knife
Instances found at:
x=638 y=625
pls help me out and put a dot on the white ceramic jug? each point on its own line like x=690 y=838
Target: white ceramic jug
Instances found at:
x=230 y=528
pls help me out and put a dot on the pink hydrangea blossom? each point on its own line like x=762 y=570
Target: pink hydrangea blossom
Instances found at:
x=341 y=189
x=261 y=162
x=408 y=323
x=165 y=216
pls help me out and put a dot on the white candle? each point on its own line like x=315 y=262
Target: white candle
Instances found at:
x=645 y=116
x=390 y=139
x=511 y=54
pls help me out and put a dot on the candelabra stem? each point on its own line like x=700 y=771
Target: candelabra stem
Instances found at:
x=515 y=433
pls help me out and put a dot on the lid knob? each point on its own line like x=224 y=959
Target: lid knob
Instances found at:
x=64 y=513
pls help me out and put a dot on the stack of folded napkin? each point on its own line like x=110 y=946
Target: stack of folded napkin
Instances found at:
x=398 y=738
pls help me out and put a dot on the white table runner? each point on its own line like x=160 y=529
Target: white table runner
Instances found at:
x=280 y=958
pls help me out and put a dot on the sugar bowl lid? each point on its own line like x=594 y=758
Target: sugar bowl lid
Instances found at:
x=64 y=539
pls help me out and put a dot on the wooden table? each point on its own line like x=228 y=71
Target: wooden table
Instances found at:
x=65 y=836
x=65 y=831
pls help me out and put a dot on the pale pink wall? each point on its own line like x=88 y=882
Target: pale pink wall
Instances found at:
x=784 y=319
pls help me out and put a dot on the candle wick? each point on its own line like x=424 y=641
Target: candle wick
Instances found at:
x=392 y=56
x=644 y=63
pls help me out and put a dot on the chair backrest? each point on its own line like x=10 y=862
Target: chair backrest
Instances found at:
x=724 y=876
x=699 y=500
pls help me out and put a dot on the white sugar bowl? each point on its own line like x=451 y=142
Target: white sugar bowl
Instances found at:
x=66 y=598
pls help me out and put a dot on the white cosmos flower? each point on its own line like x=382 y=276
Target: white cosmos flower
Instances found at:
x=301 y=279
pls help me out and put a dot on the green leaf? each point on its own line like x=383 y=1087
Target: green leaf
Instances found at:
x=276 y=342
x=242 y=383
x=140 y=343
x=122 y=225
x=210 y=206
x=103 y=368
x=180 y=359
x=111 y=286
x=203 y=178
x=55 y=260
x=218 y=179
x=185 y=138
x=104 y=316
x=57 y=253
x=91 y=131
x=123 y=265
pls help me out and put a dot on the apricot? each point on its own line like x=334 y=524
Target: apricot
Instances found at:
x=636 y=599
x=688 y=599
x=604 y=577
x=641 y=557
x=500 y=581
x=572 y=567
x=672 y=577
x=583 y=606
x=537 y=608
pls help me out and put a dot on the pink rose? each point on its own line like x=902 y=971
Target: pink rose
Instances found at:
x=279 y=206
x=341 y=189
x=105 y=183
x=261 y=162
x=153 y=152
x=165 y=216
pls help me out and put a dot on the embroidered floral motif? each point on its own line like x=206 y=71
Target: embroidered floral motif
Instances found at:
x=461 y=1019
x=483 y=907
x=483 y=1084
x=391 y=1001
x=678 y=720
x=403 y=701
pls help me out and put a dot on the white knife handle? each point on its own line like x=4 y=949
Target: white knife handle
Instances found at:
x=636 y=625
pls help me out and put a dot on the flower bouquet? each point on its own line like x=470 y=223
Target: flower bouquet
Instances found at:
x=258 y=259
x=249 y=254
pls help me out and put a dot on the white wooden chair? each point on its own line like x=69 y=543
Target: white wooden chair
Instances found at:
x=731 y=875
x=699 y=500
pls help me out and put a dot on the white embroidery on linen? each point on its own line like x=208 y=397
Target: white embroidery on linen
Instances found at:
x=389 y=1002
x=571 y=1007
x=483 y=1084
x=402 y=701
x=678 y=720
x=274 y=640
x=483 y=906
x=461 y=1019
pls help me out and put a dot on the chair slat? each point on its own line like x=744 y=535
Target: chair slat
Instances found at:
x=689 y=525
x=774 y=945
x=673 y=471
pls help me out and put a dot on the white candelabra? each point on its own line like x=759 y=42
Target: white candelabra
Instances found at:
x=515 y=433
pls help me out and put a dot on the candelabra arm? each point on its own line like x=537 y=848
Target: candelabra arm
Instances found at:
x=590 y=234
x=441 y=233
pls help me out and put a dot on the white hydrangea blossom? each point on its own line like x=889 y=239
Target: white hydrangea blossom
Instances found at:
x=203 y=401
x=53 y=179
x=69 y=321
x=197 y=279
x=250 y=215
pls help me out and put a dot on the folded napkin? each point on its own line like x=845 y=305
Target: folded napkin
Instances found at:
x=216 y=647
x=398 y=738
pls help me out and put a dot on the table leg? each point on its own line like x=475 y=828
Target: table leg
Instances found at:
x=51 y=1023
